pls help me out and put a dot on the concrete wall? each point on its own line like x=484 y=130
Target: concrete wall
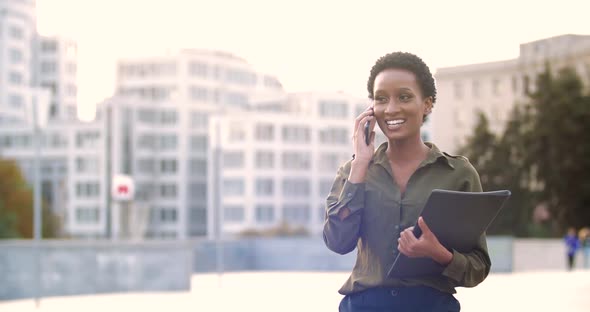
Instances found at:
x=303 y=254
x=89 y=267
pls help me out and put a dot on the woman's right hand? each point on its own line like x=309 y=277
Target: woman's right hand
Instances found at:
x=363 y=152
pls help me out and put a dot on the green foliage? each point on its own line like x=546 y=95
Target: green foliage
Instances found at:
x=542 y=157
x=16 y=206
x=560 y=143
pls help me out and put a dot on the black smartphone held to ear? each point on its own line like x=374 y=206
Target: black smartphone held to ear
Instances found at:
x=368 y=132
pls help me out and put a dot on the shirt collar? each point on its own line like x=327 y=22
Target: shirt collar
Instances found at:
x=434 y=154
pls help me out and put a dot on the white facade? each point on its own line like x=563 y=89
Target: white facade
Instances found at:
x=17 y=35
x=276 y=167
x=494 y=88
x=56 y=70
x=72 y=178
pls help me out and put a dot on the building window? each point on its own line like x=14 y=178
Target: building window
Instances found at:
x=296 y=160
x=496 y=87
x=168 y=215
x=168 y=166
x=330 y=162
x=145 y=191
x=333 y=109
x=233 y=187
x=458 y=90
x=15 y=56
x=296 y=213
x=87 y=139
x=168 y=142
x=476 y=89
x=233 y=213
x=198 y=143
x=199 y=93
x=334 y=136
x=48 y=67
x=15 y=78
x=296 y=134
x=198 y=69
x=87 y=165
x=295 y=187
x=146 y=116
x=168 y=117
x=87 y=189
x=264 y=160
x=198 y=191
x=146 y=166
x=198 y=215
x=236 y=133
x=265 y=213
x=57 y=140
x=87 y=215
x=71 y=90
x=168 y=191
x=48 y=46
x=233 y=160
x=146 y=141
x=265 y=132
x=198 y=167
x=526 y=85
x=199 y=120
x=71 y=68
x=264 y=186
x=16 y=101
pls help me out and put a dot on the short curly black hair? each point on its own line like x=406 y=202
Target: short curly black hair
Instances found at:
x=407 y=61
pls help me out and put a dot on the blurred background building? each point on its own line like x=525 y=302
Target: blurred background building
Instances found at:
x=208 y=139
x=494 y=88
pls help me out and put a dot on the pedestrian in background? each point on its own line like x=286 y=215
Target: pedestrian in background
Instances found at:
x=572 y=244
x=584 y=236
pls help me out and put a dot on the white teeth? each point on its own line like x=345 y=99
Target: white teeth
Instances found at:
x=395 y=122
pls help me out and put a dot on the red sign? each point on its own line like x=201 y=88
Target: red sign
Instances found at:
x=123 y=188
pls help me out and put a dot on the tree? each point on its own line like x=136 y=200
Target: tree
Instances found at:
x=16 y=205
x=500 y=164
x=560 y=149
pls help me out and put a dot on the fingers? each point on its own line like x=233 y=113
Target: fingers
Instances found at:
x=360 y=119
x=423 y=226
x=406 y=241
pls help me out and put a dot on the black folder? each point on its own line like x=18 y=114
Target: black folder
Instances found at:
x=457 y=219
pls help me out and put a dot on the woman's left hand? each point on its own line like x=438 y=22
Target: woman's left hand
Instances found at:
x=425 y=246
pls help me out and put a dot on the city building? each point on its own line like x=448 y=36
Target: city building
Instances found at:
x=494 y=88
x=56 y=70
x=17 y=38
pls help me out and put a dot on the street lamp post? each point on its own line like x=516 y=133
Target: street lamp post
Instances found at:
x=38 y=119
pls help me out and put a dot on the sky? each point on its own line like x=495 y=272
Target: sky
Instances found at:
x=309 y=45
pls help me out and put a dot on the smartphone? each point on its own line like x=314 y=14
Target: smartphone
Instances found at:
x=367 y=132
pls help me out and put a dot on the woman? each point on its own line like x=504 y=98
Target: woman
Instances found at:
x=378 y=195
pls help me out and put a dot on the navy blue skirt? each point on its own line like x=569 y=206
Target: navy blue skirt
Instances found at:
x=420 y=298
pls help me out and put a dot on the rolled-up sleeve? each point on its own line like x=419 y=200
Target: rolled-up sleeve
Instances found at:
x=471 y=268
x=341 y=236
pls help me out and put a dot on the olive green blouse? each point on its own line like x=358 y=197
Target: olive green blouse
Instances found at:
x=379 y=212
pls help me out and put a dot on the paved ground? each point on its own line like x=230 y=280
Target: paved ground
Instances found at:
x=278 y=291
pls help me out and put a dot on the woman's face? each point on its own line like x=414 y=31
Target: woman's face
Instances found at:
x=398 y=104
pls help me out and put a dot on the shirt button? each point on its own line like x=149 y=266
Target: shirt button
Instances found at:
x=397 y=227
x=393 y=292
x=349 y=194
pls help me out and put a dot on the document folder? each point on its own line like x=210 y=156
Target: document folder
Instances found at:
x=457 y=219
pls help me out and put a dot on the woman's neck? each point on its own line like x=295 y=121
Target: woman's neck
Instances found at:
x=404 y=151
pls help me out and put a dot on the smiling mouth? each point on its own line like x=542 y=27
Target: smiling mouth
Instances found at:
x=395 y=122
